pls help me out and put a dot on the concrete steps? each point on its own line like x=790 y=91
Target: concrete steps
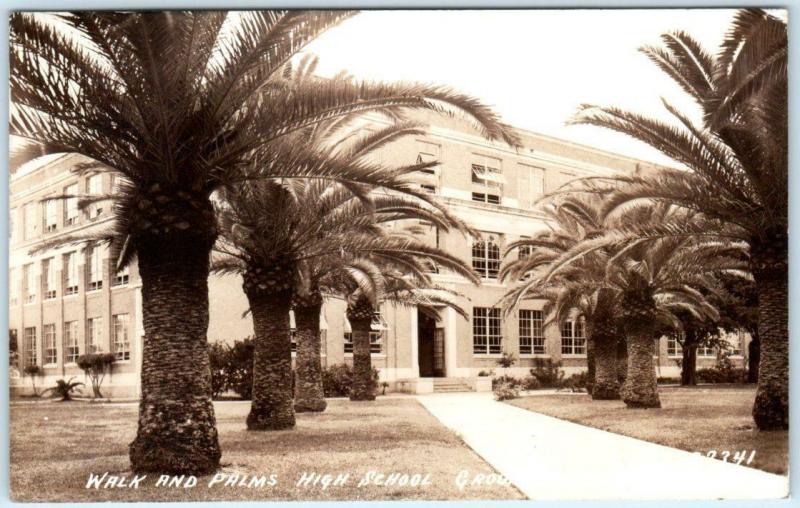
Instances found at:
x=450 y=385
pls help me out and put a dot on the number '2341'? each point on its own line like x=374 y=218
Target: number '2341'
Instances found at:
x=740 y=457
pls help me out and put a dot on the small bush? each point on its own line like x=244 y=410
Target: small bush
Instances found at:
x=96 y=366
x=510 y=380
x=576 y=382
x=338 y=379
x=507 y=360
x=531 y=383
x=722 y=372
x=486 y=373
x=506 y=391
x=547 y=372
x=64 y=389
x=669 y=380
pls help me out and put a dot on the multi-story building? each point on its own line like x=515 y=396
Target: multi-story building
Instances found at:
x=66 y=301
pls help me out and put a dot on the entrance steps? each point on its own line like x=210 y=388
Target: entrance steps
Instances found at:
x=451 y=385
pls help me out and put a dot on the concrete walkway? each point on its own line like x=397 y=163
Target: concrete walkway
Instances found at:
x=548 y=458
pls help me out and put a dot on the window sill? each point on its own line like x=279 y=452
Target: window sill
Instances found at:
x=573 y=356
x=49 y=366
x=93 y=291
x=70 y=364
x=119 y=286
x=535 y=355
x=487 y=355
x=373 y=355
x=71 y=295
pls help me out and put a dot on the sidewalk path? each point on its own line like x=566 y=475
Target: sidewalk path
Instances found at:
x=548 y=458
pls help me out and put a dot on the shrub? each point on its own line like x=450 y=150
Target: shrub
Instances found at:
x=64 y=389
x=531 y=383
x=669 y=380
x=576 y=382
x=547 y=372
x=507 y=360
x=95 y=366
x=486 y=373
x=218 y=356
x=722 y=372
x=509 y=380
x=338 y=379
x=239 y=368
x=506 y=391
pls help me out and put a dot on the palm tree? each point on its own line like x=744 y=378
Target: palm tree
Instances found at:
x=737 y=161
x=581 y=286
x=181 y=103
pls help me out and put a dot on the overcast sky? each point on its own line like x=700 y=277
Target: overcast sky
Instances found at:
x=534 y=67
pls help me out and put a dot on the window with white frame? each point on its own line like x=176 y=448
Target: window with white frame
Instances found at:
x=94 y=187
x=531 y=332
x=573 y=339
x=531 y=185
x=50 y=215
x=30 y=346
x=71 y=345
x=122 y=346
x=487 y=179
x=95 y=268
x=29 y=283
x=49 y=278
x=71 y=205
x=71 y=273
x=487 y=335
x=674 y=347
x=94 y=334
x=706 y=351
x=15 y=286
x=29 y=223
x=486 y=255
x=121 y=277
x=49 y=338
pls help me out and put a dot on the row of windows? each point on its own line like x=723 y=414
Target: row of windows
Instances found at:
x=70 y=215
x=25 y=283
x=120 y=343
x=487 y=335
x=674 y=347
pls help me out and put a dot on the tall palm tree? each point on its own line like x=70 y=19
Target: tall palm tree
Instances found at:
x=580 y=286
x=737 y=160
x=181 y=103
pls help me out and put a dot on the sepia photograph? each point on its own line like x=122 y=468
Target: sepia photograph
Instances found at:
x=393 y=255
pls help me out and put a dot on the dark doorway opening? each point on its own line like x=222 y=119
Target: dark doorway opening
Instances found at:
x=431 y=347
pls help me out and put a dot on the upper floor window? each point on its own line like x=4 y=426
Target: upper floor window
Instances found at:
x=29 y=283
x=49 y=278
x=487 y=176
x=531 y=185
x=95 y=268
x=29 y=223
x=531 y=332
x=428 y=152
x=487 y=336
x=70 y=273
x=573 y=339
x=50 y=215
x=122 y=276
x=94 y=187
x=486 y=256
x=71 y=205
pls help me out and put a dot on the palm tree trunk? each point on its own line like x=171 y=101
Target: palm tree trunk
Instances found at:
x=640 y=389
x=309 y=395
x=272 y=407
x=591 y=362
x=771 y=407
x=622 y=358
x=606 y=385
x=363 y=383
x=177 y=428
x=753 y=357
x=689 y=362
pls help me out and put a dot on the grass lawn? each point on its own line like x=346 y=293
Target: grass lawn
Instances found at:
x=698 y=419
x=55 y=446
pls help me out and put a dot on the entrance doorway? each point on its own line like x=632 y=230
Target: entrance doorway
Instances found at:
x=431 y=347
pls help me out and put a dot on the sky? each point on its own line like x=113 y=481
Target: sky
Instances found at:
x=534 y=67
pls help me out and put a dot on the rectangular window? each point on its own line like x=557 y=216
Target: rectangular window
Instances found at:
x=428 y=152
x=487 y=337
x=14 y=286
x=29 y=282
x=122 y=347
x=95 y=268
x=49 y=278
x=94 y=334
x=50 y=215
x=531 y=185
x=29 y=225
x=70 y=273
x=492 y=199
x=30 y=346
x=531 y=332
x=486 y=255
x=94 y=187
x=673 y=345
x=706 y=351
x=573 y=340
x=121 y=277
x=71 y=205
x=71 y=347
x=50 y=350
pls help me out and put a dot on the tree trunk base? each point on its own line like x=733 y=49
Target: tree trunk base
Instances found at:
x=181 y=439
x=362 y=396
x=270 y=418
x=310 y=406
x=771 y=408
x=605 y=391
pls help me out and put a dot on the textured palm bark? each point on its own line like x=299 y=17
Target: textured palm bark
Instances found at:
x=640 y=389
x=177 y=429
x=622 y=358
x=753 y=358
x=272 y=407
x=606 y=385
x=590 y=362
x=363 y=383
x=689 y=362
x=309 y=393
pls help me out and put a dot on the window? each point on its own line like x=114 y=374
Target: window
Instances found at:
x=50 y=215
x=116 y=184
x=487 y=175
x=49 y=337
x=486 y=256
x=121 y=277
x=122 y=348
x=674 y=347
x=49 y=278
x=29 y=281
x=14 y=287
x=71 y=273
x=29 y=221
x=428 y=152
x=573 y=340
x=71 y=205
x=706 y=351
x=30 y=346
x=95 y=268
x=71 y=348
x=493 y=199
x=531 y=185
x=94 y=187
x=531 y=332
x=736 y=339
x=486 y=334
x=94 y=334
